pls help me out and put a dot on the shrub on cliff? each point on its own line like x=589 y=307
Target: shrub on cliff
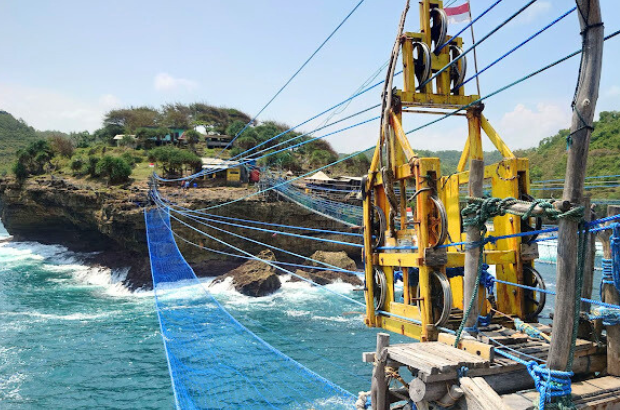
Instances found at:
x=61 y=145
x=173 y=160
x=114 y=168
x=20 y=171
x=33 y=159
x=92 y=166
x=77 y=165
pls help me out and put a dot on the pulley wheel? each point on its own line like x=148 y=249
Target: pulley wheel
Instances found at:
x=380 y=288
x=538 y=299
x=378 y=226
x=458 y=70
x=439 y=27
x=421 y=61
x=441 y=298
x=438 y=223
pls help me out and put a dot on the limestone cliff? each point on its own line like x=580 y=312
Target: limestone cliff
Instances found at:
x=110 y=220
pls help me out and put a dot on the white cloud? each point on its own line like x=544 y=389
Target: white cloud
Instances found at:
x=533 y=12
x=166 y=82
x=524 y=127
x=109 y=101
x=47 y=109
x=613 y=91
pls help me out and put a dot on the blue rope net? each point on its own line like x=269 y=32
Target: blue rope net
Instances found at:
x=346 y=213
x=214 y=361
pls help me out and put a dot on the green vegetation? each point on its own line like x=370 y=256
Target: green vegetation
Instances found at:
x=116 y=169
x=174 y=159
x=548 y=161
x=14 y=135
x=25 y=151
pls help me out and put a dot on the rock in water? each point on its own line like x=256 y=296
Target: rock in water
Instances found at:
x=254 y=278
x=338 y=259
x=325 y=277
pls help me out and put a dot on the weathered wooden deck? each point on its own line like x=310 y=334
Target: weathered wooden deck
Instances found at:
x=483 y=374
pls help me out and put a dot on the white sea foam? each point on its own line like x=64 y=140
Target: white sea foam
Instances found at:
x=10 y=386
x=45 y=317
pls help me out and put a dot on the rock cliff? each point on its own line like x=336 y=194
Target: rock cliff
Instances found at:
x=110 y=221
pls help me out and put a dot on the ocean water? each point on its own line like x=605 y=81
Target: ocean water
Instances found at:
x=73 y=337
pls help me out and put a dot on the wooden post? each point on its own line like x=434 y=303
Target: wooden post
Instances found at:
x=588 y=267
x=610 y=295
x=584 y=105
x=379 y=386
x=476 y=177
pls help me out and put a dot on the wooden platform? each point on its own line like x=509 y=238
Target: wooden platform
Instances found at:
x=439 y=365
x=602 y=393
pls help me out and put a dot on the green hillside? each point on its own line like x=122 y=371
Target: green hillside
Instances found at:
x=14 y=134
x=548 y=161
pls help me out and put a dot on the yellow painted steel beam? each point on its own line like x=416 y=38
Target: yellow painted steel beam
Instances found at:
x=495 y=138
x=401 y=327
x=464 y=157
x=402 y=138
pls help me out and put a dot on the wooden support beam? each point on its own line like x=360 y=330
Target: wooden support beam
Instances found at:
x=476 y=178
x=610 y=295
x=580 y=131
x=379 y=386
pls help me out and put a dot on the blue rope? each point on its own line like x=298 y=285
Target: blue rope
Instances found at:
x=249 y=161
x=293 y=76
x=327 y=231
x=270 y=263
x=608 y=277
x=254 y=228
x=290 y=140
x=562 y=180
x=294 y=265
x=549 y=383
x=517 y=47
x=549 y=292
x=347 y=157
x=615 y=255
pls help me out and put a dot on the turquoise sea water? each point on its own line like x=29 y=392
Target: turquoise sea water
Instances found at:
x=72 y=337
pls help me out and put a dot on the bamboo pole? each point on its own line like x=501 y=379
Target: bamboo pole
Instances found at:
x=584 y=104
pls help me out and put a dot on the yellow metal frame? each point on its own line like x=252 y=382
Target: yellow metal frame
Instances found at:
x=508 y=178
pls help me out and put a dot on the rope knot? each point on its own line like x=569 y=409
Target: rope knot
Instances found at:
x=550 y=384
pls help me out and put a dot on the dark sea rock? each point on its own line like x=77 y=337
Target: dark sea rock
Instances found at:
x=339 y=259
x=325 y=277
x=254 y=278
x=86 y=217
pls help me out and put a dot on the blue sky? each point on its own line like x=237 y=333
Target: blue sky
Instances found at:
x=67 y=62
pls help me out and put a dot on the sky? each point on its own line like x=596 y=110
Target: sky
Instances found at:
x=68 y=62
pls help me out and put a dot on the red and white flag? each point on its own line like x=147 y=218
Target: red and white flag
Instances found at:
x=458 y=14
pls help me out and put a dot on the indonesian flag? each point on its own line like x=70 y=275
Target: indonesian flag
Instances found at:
x=458 y=14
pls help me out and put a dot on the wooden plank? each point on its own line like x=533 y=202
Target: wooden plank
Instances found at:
x=473 y=347
x=480 y=396
x=418 y=363
x=606 y=383
x=458 y=357
x=411 y=356
x=518 y=402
